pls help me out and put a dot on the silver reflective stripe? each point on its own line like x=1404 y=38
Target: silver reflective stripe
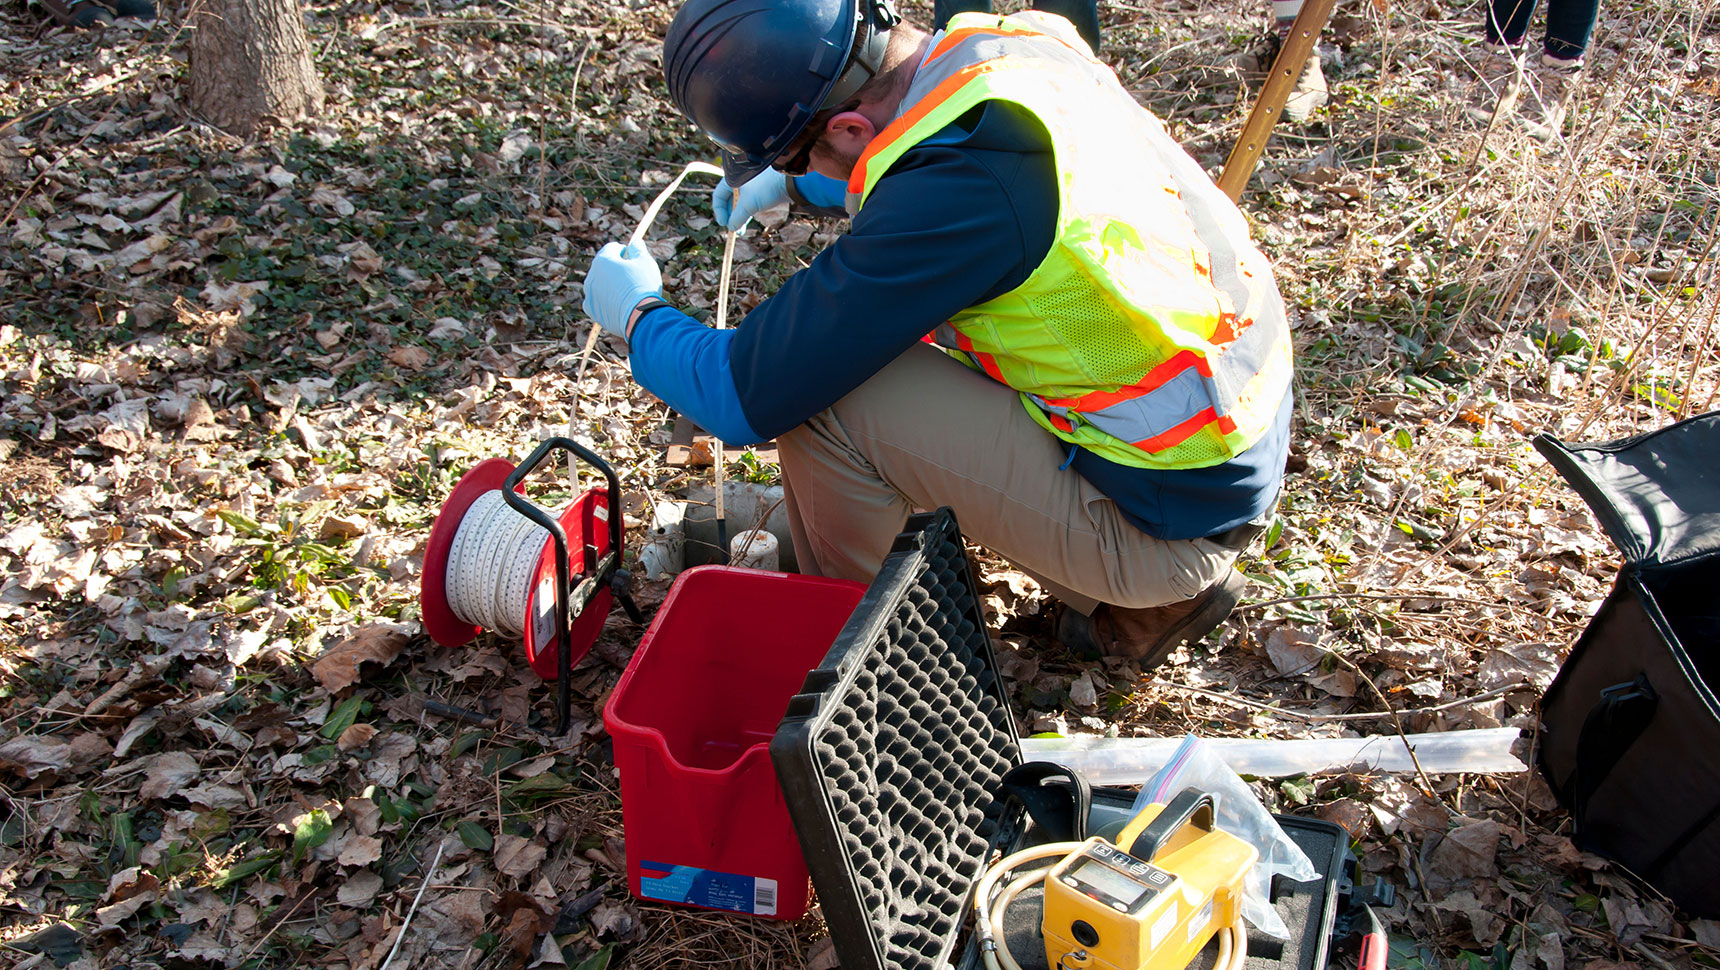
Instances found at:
x=1246 y=356
x=1186 y=395
x=1150 y=415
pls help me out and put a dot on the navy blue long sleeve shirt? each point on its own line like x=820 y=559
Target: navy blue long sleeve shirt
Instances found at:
x=960 y=218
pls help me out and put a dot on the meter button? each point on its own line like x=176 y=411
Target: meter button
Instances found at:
x=1084 y=933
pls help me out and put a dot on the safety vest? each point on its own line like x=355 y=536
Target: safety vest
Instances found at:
x=1152 y=333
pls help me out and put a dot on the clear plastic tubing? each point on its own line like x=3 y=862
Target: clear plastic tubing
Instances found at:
x=1131 y=761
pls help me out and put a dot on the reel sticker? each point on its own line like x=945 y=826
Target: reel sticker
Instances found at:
x=543 y=612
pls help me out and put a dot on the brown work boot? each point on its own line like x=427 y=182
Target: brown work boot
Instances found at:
x=1150 y=635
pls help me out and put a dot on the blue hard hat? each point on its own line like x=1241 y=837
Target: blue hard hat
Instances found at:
x=752 y=73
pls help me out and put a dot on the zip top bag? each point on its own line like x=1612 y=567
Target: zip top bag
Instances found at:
x=1630 y=727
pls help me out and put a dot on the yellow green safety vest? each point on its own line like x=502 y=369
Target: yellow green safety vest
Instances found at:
x=1152 y=333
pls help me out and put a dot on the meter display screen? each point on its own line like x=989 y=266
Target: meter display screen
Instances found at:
x=1112 y=885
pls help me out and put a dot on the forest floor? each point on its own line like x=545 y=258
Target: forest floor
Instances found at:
x=237 y=379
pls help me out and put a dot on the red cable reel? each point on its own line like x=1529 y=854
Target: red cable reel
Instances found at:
x=485 y=562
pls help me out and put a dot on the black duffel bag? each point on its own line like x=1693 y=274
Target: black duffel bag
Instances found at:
x=1630 y=728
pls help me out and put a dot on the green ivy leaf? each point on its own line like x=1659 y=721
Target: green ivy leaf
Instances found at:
x=598 y=960
x=475 y=836
x=312 y=830
x=342 y=717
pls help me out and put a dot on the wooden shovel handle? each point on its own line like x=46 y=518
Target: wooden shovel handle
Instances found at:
x=1286 y=68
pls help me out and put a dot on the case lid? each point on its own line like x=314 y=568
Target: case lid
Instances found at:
x=1656 y=494
x=892 y=755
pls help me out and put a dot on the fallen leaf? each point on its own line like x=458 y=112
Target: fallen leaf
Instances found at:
x=1629 y=919
x=410 y=357
x=112 y=915
x=60 y=943
x=338 y=667
x=1082 y=693
x=518 y=857
x=1485 y=926
x=130 y=882
x=1292 y=651
x=1349 y=813
x=355 y=737
x=89 y=748
x=169 y=773
x=343 y=527
x=1468 y=851
x=30 y=756
x=360 y=850
x=522 y=931
x=215 y=796
x=616 y=919
x=359 y=889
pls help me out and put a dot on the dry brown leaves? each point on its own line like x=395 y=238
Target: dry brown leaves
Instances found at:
x=216 y=479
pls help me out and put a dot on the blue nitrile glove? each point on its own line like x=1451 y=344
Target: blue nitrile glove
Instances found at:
x=616 y=283
x=734 y=208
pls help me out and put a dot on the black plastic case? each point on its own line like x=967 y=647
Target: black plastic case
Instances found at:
x=1310 y=909
x=892 y=758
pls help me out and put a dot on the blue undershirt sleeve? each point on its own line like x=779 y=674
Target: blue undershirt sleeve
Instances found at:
x=822 y=191
x=686 y=364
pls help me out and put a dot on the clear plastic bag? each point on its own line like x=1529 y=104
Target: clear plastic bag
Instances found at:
x=1196 y=765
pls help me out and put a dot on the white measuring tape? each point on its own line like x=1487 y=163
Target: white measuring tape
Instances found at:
x=496 y=550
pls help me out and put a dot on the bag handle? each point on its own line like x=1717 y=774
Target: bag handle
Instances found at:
x=1057 y=798
x=1612 y=726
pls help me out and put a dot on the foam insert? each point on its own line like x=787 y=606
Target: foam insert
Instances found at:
x=892 y=756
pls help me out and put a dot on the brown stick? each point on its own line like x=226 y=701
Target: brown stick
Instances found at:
x=1286 y=68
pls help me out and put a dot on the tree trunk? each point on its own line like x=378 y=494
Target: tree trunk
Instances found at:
x=251 y=64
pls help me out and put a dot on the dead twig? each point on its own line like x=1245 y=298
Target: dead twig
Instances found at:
x=401 y=936
x=1397 y=722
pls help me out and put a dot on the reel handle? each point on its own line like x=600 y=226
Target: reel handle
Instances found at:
x=597 y=574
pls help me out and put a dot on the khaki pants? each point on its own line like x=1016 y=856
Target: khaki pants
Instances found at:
x=927 y=431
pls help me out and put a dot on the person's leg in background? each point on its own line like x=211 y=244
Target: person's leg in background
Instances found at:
x=1508 y=22
x=1084 y=14
x=1310 y=93
x=927 y=431
x=943 y=10
x=1570 y=23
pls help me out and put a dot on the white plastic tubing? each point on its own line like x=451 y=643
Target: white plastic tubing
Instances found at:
x=1132 y=761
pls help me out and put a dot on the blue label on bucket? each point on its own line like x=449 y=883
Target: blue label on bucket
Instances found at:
x=705 y=887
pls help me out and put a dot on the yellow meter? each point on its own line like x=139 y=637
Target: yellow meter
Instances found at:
x=1154 y=903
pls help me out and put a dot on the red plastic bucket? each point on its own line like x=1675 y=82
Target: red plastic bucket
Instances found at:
x=692 y=719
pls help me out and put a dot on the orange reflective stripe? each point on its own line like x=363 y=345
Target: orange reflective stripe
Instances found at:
x=1227 y=328
x=896 y=129
x=955 y=37
x=1180 y=433
x=985 y=361
x=1155 y=379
